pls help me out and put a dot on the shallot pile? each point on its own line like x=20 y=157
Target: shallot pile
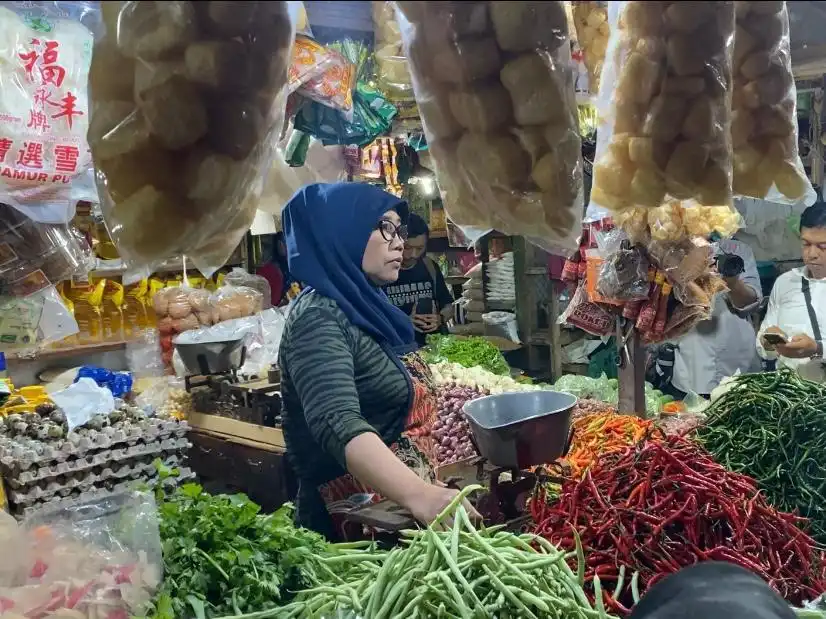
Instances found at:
x=451 y=429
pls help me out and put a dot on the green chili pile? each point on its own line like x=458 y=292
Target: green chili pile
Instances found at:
x=451 y=570
x=772 y=427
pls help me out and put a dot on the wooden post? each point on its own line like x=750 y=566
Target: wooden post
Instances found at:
x=631 y=372
x=555 y=334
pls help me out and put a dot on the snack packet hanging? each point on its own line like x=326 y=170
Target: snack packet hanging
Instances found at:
x=764 y=116
x=334 y=86
x=309 y=60
x=665 y=105
x=188 y=99
x=592 y=29
x=494 y=86
x=45 y=165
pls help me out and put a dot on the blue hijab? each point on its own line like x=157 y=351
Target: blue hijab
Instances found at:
x=326 y=228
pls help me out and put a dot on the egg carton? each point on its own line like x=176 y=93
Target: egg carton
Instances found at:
x=20 y=455
x=115 y=456
x=106 y=438
x=54 y=469
x=78 y=497
x=108 y=476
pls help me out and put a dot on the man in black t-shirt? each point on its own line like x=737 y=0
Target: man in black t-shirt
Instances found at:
x=421 y=291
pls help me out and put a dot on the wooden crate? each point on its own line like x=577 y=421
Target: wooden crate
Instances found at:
x=239 y=432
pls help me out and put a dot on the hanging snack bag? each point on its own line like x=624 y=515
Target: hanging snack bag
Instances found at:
x=185 y=109
x=45 y=166
x=764 y=116
x=665 y=106
x=334 y=86
x=494 y=86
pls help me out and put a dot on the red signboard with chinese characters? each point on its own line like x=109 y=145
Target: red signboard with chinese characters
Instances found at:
x=44 y=113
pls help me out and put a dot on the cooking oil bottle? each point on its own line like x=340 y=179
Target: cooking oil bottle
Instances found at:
x=136 y=311
x=112 y=310
x=87 y=298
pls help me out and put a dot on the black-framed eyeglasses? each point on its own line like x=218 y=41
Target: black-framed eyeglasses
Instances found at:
x=390 y=231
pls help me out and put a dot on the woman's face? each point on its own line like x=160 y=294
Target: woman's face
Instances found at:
x=382 y=257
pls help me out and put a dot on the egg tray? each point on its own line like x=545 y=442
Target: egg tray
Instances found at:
x=107 y=476
x=17 y=455
x=114 y=456
x=78 y=497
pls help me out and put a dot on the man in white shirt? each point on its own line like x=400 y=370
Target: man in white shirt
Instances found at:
x=796 y=316
x=720 y=346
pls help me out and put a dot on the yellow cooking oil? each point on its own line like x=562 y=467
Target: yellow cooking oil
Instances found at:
x=87 y=298
x=137 y=314
x=112 y=310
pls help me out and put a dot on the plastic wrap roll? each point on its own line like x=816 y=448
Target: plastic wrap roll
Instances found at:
x=494 y=86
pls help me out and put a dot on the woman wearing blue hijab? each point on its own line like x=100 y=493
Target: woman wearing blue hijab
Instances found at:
x=358 y=402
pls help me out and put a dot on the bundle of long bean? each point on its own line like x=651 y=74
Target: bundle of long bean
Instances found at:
x=457 y=572
x=773 y=427
x=605 y=433
x=652 y=509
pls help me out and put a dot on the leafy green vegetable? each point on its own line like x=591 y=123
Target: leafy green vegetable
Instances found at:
x=222 y=557
x=469 y=352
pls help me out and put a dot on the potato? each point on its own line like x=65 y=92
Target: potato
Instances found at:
x=665 y=118
x=685 y=168
x=642 y=19
x=464 y=61
x=537 y=91
x=175 y=113
x=493 y=160
x=639 y=79
x=522 y=26
x=647 y=188
x=685 y=57
x=485 y=108
x=699 y=123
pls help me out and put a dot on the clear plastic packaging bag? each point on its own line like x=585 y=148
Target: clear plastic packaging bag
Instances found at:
x=624 y=274
x=592 y=29
x=230 y=302
x=494 y=86
x=665 y=130
x=188 y=100
x=179 y=309
x=239 y=277
x=764 y=115
x=392 y=68
x=44 y=111
x=97 y=558
x=30 y=322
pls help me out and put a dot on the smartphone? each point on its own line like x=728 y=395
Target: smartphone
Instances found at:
x=424 y=306
x=775 y=338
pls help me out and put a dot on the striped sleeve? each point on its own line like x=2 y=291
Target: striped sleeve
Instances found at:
x=320 y=364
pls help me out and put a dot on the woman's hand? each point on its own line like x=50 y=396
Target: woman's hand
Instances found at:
x=431 y=500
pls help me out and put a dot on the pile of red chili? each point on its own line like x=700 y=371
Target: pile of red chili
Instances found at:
x=654 y=508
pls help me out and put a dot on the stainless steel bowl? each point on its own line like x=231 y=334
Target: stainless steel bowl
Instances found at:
x=521 y=429
x=212 y=357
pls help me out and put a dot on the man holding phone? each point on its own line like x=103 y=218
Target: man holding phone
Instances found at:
x=796 y=315
x=421 y=291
